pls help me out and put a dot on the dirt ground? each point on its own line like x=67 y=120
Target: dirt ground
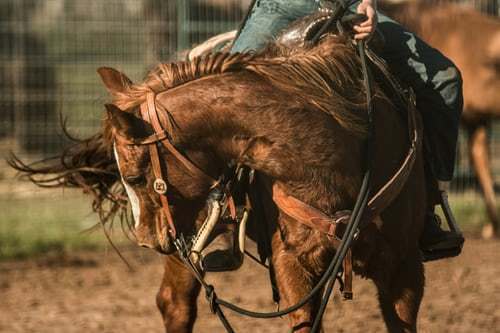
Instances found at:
x=95 y=292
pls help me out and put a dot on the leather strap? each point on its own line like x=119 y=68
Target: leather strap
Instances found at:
x=347 y=291
x=393 y=187
x=153 y=138
x=155 y=122
x=160 y=185
x=307 y=214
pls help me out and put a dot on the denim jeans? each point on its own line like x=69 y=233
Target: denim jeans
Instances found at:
x=434 y=78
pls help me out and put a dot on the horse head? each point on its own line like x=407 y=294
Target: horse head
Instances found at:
x=186 y=192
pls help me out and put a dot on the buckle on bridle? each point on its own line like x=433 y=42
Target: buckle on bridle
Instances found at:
x=160 y=186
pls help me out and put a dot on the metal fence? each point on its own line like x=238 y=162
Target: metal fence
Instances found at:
x=50 y=50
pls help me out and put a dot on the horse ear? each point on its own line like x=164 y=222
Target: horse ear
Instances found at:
x=123 y=122
x=127 y=123
x=115 y=81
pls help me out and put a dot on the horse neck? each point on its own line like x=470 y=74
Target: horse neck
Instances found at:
x=317 y=160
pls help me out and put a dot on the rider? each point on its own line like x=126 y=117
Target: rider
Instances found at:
x=434 y=78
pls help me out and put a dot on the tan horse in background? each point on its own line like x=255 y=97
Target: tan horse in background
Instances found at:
x=472 y=41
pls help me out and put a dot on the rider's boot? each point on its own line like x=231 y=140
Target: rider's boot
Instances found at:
x=222 y=253
x=435 y=242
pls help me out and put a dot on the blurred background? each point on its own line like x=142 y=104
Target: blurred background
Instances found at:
x=49 y=53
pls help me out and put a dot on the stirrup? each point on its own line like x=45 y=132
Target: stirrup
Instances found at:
x=230 y=255
x=452 y=246
x=221 y=261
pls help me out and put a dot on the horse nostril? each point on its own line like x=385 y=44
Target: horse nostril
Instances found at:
x=146 y=245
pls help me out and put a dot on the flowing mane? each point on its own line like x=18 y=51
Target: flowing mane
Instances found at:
x=327 y=77
x=171 y=75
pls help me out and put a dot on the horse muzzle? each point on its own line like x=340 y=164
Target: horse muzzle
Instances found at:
x=155 y=237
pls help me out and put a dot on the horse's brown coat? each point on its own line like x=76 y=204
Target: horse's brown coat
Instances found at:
x=293 y=142
x=309 y=140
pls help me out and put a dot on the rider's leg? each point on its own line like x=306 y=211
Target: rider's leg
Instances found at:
x=438 y=86
x=267 y=18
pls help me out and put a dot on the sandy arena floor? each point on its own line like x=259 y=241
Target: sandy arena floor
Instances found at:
x=92 y=292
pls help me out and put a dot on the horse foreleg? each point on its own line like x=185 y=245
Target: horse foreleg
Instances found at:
x=479 y=156
x=294 y=283
x=401 y=296
x=177 y=296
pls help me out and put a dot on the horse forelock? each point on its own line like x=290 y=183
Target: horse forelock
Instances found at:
x=326 y=77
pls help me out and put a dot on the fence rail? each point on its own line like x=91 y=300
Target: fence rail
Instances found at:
x=49 y=51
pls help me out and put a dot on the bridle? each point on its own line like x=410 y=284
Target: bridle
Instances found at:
x=220 y=194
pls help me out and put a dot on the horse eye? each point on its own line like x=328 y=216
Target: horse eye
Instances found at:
x=135 y=180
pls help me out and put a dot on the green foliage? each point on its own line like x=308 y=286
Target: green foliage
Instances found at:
x=36 y=225
x=39 y=225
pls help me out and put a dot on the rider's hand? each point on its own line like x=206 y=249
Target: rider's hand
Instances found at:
x=365 y=29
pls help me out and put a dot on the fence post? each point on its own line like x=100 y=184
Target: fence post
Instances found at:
x=183 y=28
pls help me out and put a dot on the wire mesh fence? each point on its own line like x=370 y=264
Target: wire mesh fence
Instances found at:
x=50 y=50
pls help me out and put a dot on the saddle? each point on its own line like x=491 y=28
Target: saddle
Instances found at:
x=302 y=31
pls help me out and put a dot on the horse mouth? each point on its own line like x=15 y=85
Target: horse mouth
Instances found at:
x=166 y=246
x=165 y=251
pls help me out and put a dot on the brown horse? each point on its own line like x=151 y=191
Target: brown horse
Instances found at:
x=472 y=41
x=295 y=116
